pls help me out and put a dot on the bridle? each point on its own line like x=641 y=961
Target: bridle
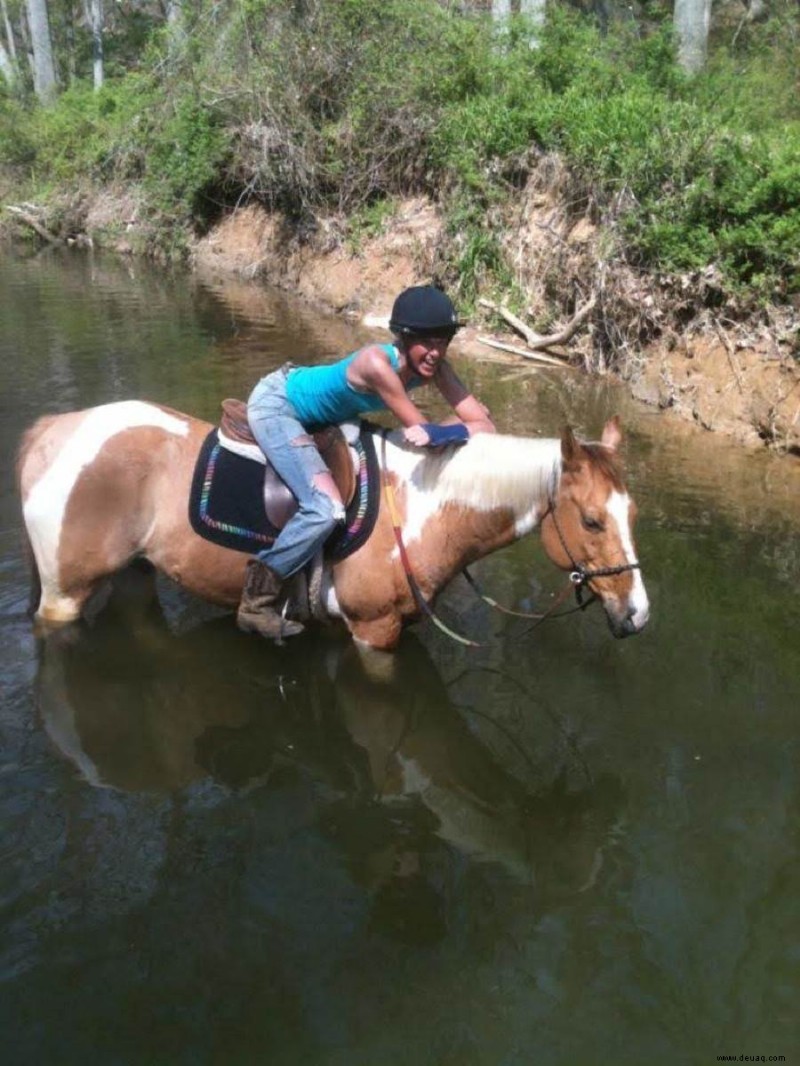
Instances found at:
x=580 y=575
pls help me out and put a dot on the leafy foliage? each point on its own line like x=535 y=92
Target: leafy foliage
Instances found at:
x=319 y=107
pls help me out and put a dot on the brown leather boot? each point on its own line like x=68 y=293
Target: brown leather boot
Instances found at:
x=257 y=613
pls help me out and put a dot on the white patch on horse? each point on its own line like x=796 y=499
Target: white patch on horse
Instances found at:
x=47 y=500
x=491 y=471
x=618 y=507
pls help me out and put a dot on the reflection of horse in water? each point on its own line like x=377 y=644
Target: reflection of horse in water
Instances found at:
x=397 y=767
x=103 y=487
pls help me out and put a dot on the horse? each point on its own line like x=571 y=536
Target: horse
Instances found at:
x=108 y=486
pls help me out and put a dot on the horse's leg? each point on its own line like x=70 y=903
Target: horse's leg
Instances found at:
x=372 y=592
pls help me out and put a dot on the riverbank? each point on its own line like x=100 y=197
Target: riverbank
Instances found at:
x=736 y=378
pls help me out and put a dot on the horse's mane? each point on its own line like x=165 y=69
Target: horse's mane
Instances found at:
x=493 y=470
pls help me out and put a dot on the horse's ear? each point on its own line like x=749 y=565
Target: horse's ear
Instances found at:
x=612 y=434
x=569 y=446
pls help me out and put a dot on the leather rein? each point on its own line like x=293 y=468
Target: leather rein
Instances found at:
x=579 y=576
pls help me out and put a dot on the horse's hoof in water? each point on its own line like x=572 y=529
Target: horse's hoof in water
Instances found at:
x=62 y=634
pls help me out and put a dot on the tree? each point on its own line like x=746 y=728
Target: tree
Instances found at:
x=8 y=51
x=533 y=10
x=692 y=18
x=96 y=22
x=6 y=66
x=44 y=71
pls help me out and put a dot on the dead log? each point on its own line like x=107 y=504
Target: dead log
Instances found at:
x=535 y=340
x=538 y=357
x=25 y=216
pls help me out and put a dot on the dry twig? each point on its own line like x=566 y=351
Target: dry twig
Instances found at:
x=731 y=358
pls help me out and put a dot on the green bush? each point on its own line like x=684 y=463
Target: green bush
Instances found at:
x=185 y=161
x=345 y=106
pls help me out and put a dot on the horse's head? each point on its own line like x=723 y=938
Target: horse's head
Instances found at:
x=588 y=529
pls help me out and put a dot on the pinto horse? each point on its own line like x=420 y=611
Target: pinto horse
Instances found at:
x=105 y=487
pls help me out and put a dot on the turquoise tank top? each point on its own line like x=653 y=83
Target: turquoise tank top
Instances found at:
x=322 y=395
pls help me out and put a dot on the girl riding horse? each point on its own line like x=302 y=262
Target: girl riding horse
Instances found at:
x=286 y=404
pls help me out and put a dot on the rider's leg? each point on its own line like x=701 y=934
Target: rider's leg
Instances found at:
x=296 y=459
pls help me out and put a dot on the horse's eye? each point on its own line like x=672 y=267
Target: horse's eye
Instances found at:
x=594 y=525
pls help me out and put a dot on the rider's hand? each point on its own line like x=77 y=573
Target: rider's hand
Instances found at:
x=416 y=435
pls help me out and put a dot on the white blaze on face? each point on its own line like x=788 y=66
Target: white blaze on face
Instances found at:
x=618 y=508
x=47 y=501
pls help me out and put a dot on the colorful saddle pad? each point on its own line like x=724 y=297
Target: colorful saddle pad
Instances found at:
x=226 y=503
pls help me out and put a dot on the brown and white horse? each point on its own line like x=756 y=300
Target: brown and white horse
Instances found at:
x=104 y=487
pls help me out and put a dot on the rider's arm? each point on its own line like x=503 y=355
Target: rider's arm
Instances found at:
x=467 y=407
x=372 y=370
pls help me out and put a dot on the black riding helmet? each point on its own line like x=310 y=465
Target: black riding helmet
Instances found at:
x=424 y=309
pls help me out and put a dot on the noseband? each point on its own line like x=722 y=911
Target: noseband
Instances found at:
x=580 y=575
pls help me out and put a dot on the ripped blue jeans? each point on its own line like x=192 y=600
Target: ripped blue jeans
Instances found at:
x=276 y=427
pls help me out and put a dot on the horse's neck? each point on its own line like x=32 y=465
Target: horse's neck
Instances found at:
x=502 y=482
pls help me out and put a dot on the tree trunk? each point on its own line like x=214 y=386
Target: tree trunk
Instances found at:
x=96 y=19
x=692 y=18
x=501 y=11
x=10 y=42
x=7 y=66
x=44 y=71
x=535 y=11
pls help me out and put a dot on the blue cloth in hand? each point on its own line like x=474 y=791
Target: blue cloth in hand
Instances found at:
x=439 y=435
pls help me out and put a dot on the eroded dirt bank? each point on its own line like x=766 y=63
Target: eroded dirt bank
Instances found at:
x=737 y=378
x=741 y=381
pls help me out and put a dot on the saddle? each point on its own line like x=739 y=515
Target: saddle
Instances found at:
x=279 y=501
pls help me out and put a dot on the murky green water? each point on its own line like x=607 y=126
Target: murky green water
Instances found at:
x=561 y=850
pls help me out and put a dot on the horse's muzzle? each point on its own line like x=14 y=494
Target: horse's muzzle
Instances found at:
x=627 y=623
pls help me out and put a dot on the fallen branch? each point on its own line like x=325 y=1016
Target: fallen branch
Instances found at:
x=29 y=220
x=535 y=340
x=731 y=358
x=539 y=357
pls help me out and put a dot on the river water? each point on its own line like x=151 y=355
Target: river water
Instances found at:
x=561 y=849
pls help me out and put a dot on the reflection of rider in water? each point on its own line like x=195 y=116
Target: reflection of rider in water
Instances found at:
x=286 y=404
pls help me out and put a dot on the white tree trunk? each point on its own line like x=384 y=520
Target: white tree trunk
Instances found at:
x=501 y=11
x=44 y=71
x=95 y=16
x=176 y=27
x=7 y=66
x=10 y=42
x=692 y=18
x=536 y=13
